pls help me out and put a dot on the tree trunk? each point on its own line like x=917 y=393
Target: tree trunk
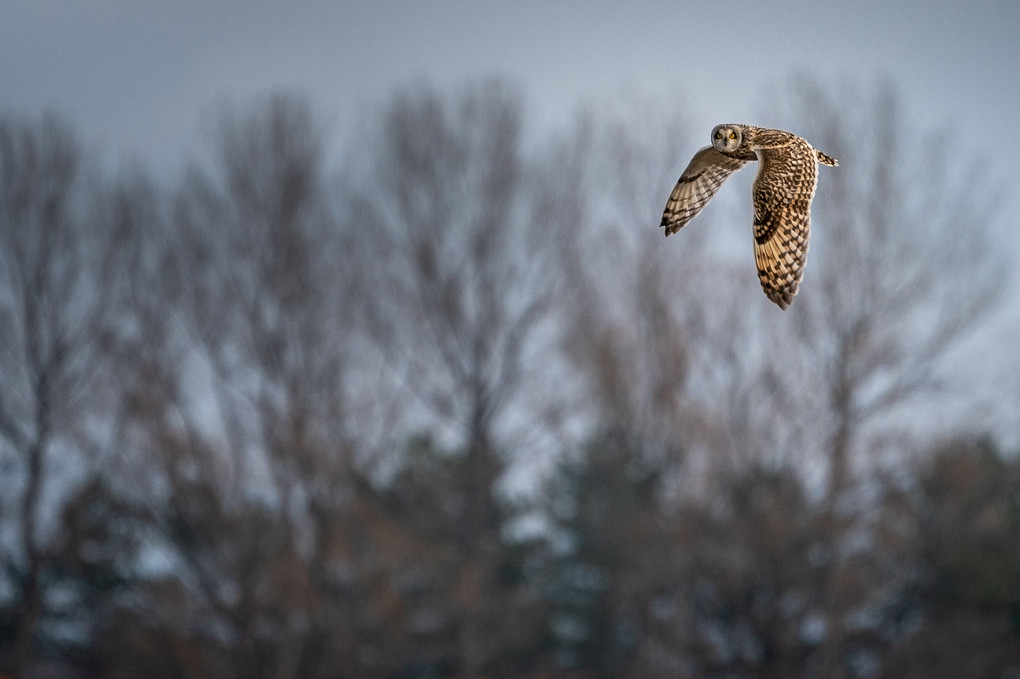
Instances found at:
x=30 y=608
x=835 y=526
x=477 y=548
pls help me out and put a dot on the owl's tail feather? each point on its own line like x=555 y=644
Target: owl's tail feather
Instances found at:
x=826 y=159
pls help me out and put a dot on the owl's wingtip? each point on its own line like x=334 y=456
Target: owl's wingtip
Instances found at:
x=826 y=159
x=781 y=299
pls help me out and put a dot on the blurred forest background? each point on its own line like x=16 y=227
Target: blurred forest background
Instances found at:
x=435 y=398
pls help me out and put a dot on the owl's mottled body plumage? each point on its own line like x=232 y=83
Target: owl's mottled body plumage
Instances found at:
x=782 y=194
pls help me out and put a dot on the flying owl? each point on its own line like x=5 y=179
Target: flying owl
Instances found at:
x=782 y=193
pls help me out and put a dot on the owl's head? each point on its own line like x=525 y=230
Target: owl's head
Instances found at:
x=726 y=138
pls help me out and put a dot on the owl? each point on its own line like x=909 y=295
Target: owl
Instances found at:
x=782 y=193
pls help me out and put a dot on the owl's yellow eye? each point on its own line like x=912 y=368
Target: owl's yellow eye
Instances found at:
x=733 y=135
x=718 y=135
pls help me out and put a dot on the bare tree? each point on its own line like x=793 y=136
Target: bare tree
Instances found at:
x=262 y=296
x=629 y=314
x=57 y=270
x=240 y=376
x=904 y=266
x=456 y=286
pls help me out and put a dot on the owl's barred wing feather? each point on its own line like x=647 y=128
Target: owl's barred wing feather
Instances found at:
x=782 y=197
x=699 y=182
x=826 y=159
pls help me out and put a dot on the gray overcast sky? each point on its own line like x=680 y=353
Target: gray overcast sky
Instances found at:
x=139 y=77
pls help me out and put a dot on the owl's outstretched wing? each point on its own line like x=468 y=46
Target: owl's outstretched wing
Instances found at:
x=698 y=183
x=782 y=197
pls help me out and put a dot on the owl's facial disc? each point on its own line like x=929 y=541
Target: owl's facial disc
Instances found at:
x=726 y=138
